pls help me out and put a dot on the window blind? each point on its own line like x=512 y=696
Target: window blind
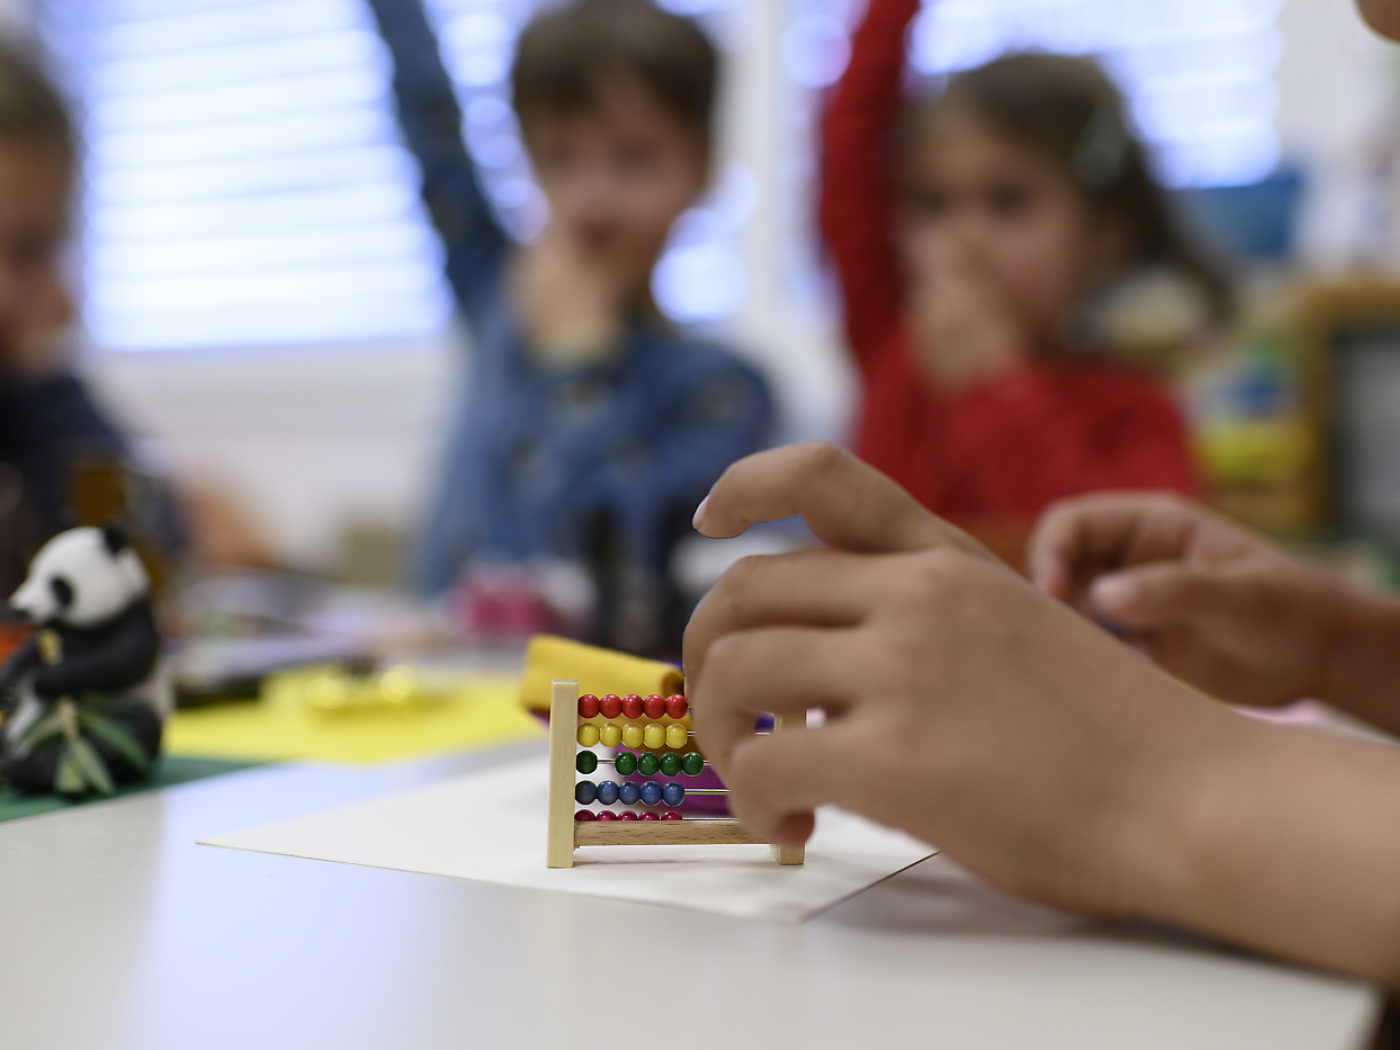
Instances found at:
x=244 y=179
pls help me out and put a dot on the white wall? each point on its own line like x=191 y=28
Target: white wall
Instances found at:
x=306 y=440
x=1337 y=94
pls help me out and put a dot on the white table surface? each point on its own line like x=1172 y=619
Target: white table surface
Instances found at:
x=120 y=932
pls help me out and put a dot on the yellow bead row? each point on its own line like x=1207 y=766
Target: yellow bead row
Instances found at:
x=631 y=735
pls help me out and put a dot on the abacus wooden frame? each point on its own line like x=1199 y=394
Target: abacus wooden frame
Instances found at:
x=566 y=834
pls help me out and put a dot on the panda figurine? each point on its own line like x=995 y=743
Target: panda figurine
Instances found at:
x=84 y=697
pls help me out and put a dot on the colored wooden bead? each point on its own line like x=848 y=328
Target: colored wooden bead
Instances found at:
x=655 y=706
x=651 y=793
x=648 y=764
x=629 y=793
x=676 y=736
x=587 y=735
x=587 y=762
x=627 y=814
x=605 y=815
x=625 y=763
x=670 y=764
x=672 y=815
x=654 y=736
x=632 y=706
x=650 y=816
x=587 y=706
x=632 y=735
x=610 y=705
x=676 y=705
x=693 y=763
x=607 y=792
x=585 y=793
x=584 y=814
x=672 y=794
x=610 y=735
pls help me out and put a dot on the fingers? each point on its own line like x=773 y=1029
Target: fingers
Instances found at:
x=1156 y=597
x=814 y=588
x=782 y=670
x=777 y=781
x=850 y=505
x=1077 y=538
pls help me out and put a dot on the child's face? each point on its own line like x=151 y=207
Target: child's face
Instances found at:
x=617 y=177
x=975 y=199
x=34 y=186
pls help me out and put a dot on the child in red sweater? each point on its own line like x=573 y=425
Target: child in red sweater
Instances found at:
x=968 y=231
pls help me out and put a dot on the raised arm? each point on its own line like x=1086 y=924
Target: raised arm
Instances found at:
x=856 y=188
x=431 y=121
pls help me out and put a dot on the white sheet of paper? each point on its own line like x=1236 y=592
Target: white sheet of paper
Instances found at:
x=491 y=827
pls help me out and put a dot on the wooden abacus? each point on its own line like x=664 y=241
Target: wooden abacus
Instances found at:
x=654 y=735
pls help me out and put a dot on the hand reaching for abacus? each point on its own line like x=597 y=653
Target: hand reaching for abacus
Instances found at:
x=958 y=697
x=981 y=715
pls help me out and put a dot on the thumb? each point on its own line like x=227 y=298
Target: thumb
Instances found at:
x=1154 y=597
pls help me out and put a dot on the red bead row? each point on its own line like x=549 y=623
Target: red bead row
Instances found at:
x=631 y=706
x=626 y=814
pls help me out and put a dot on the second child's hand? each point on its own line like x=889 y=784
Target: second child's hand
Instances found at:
x=570 y=309
x=32 y=344
x=1220 y=606
x=964 y=330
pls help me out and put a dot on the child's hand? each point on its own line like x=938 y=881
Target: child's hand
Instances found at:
x=1211 y=602
x=32 y=331
x=964 y=329
x=963 y=706
x=572 y=311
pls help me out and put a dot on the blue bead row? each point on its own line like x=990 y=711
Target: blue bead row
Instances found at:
x=629 y=794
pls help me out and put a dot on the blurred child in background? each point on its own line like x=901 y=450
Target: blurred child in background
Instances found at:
x=970 y=232
x=590 y=427
x=47 y=418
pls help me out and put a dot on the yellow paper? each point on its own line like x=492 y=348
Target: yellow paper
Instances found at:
x=597 y=671
x=478 y=710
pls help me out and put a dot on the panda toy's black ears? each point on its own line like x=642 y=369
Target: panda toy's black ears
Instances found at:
x=115 y=537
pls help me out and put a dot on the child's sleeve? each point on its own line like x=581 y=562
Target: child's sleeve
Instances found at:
x=431 y=121
x=856 y=177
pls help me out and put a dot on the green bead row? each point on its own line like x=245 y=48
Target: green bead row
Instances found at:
x=626 y=763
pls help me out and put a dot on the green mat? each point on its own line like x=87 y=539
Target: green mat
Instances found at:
x=171 y=770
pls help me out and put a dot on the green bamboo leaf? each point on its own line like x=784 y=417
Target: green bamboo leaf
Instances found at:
x=49 y=725
x=116 y=737
x=69 y=779
x=94 y=770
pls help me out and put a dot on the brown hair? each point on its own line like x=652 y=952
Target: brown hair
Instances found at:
x=564 y=53
x=1068 y=110
x=32 y=112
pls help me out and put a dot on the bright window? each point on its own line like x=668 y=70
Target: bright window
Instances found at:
x=1199 y=74
x=246 y=183
x=245 y=180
